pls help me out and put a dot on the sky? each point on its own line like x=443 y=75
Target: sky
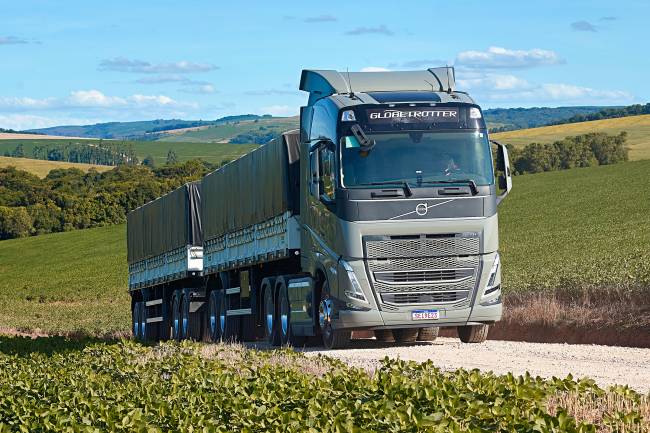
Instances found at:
x=84 y=62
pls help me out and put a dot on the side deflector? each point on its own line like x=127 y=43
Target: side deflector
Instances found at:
x=322 y=83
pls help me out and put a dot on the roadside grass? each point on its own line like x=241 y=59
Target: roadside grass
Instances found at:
x=575 y=246
x=637 y=128
x=211 y=152
x=61 y=385
x=41 y=168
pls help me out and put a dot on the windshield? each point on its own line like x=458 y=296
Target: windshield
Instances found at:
x=418 y=157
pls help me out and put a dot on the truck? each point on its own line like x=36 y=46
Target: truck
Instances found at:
x=378 y=215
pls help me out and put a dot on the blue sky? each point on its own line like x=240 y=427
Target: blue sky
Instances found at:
x=78 y=62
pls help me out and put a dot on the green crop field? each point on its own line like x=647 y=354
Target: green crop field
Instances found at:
x=568 y=230
x=41 y=167
x=84 y=386
x=212 y=152
x=637 y=128
x=226 y=131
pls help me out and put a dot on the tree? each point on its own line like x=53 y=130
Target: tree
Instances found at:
x=149 y=161
x=15 y=222
x=171 y=157
x=19 y=151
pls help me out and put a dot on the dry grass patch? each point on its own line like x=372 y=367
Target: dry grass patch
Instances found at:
x=610 y=412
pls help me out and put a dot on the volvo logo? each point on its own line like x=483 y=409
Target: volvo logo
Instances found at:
x=421 y=209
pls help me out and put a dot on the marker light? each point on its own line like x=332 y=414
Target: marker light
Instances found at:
x=474 y=113
x=348 y=116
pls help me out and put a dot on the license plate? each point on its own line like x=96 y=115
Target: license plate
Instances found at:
x=425 y=315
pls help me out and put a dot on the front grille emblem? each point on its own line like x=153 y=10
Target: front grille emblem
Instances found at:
x=421 y=209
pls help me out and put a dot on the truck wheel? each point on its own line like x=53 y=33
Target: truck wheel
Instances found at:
x=191 y=321
x=473 y=333
x=177 y=333
x=135 y=320
x=384 y=335
x=332 y=338
x=284 y=320
x=406 y=335
x=270 y=317
x=428 y=334
x=216 y=317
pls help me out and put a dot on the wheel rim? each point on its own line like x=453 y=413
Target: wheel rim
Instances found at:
x=325 y=318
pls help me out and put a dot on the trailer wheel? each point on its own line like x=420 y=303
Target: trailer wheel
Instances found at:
x=191 y=322
x=428 y=334
x=135 y=320
x=332 y=338
x=270 y=317
x=284 y=322
x=473 y=333
x=216 y=316
x=176 y=316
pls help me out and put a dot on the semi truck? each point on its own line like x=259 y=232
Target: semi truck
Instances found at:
x=379 y=214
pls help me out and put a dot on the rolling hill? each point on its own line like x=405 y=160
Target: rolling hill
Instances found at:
x=41 y=167
x=637 y=127
x=212 y=152
x=571 y=230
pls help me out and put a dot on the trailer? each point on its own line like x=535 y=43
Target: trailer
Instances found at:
x=379 y=214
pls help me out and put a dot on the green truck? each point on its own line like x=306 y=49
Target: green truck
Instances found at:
x=379 y=214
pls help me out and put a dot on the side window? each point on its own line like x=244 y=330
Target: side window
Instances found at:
x=327 y=172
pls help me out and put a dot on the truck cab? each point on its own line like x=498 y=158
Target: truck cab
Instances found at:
x=398 y=204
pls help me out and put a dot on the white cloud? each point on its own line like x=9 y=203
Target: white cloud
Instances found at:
x=503 y=58
x=321 y=19
x=92 y=98
x=20 y=122
x=12 y=40
x=493 y=82
x=280 y=110
x=583 y=26
x=374 y=69
x=201 y=89
x=379 y=30
x=123 y=64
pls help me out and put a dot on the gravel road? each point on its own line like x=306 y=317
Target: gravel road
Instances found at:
x=607 y=365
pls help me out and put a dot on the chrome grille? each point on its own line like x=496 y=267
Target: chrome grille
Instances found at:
x=423 y=246
x=423 y=298
x=423 y=276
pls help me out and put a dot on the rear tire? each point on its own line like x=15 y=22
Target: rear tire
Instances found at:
x=191 y=321
x=384 y=335
x=135 y=320
x=428 y=334
x=406 y=335
x=216 y=321
x=271 y=333
x=473 y=333
x=176 y=324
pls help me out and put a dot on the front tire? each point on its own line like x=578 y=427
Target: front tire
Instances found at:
x=406 y=335
x=332 y=338
x=473 y=333
x=271 y=333
x=428 y=334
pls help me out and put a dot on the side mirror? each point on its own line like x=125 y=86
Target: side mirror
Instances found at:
x=314 y=184
x=503 y=165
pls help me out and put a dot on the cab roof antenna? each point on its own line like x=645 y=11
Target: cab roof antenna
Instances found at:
x=347 y=70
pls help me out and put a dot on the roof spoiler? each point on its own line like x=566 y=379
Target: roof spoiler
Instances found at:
x=322 y=83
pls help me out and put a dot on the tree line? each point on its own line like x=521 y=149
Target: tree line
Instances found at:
x=579 y=151
x=99 y=153
x=608 y=113
x=68 y=199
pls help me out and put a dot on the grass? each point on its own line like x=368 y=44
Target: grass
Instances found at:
x=51 y=384
x=567 y=232
x=212 y=152
x=71 y=282
x=224 y=132
x=637 y=127
x=41 y=168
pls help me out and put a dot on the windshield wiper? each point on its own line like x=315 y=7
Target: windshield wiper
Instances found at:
x=404 y=184
x=367 y=144
x=470 y=182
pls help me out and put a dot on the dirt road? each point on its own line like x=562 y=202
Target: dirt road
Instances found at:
x=605 y=364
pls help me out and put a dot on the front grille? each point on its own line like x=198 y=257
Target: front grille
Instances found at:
x=424 y=298
x=422 y=246
x=423 y=276
x=420 y=270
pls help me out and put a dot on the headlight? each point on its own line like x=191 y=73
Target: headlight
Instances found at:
x=490 y=288
x=353 y=291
